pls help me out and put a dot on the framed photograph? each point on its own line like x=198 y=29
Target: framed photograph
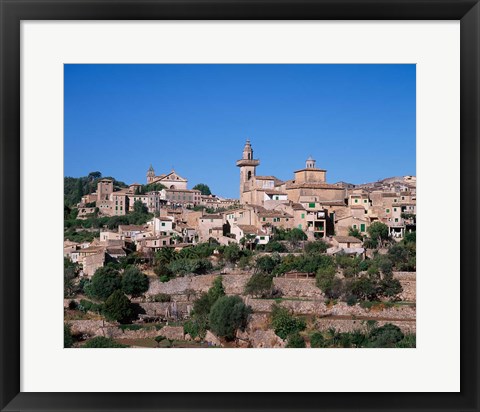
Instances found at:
x=240 y=184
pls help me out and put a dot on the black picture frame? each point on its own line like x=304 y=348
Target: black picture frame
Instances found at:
x=13 y=11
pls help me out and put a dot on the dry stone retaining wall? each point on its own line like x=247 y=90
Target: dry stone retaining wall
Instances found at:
x=298 y=287
x=319 y=308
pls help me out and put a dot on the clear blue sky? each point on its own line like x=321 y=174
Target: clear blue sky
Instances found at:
x=357 y=121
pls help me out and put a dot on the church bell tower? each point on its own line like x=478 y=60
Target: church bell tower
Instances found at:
x=247 y=165
x=150 y=174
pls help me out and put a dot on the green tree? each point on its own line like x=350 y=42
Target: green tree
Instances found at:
x=69 y=274
x=386 y=336
x=355 y=233
x=102 y=342
x=295 y=340
x=232 y=253
x=67 y=336
x=284 y=323
x=105 y=281
x=275 y=246
x=134 y=282
x=228 y=314
x=204 y=189
x=216 y=291
x=118 y=307
x=317 y=340
x=94 y=175
x=378 y=230
x=259 y=284
x=79 y=191
x=265 y=264
x=295 y=235
x=316 y=247
x=140 y=207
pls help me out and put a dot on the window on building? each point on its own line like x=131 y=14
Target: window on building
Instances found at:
x=394 y=209
x=263 y=219
x=356 y=200
x=354 y=226
x=163 y=223
x=262 y=237
x=396 y=219
x=365 y=200
x=311 y=205
x=387 y=210
x=362 y=227
x=303 y=215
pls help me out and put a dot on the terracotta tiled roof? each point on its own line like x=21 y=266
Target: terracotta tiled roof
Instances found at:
x=250 y=229
x=274 y=192
x=211 y=217
x=313 y=186
x=310 y=170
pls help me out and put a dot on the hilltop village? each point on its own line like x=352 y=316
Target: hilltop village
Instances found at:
x=296 y=263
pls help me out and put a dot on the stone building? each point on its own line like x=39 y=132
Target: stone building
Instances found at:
x=170 y=180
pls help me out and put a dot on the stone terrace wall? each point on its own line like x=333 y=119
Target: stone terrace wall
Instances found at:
x=109 y=330
x=409 y=285
x=319 y=308
x=233 y=284
x=298 y=287
x=351 y=325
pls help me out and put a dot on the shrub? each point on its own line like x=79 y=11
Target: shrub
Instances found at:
x=88 y=306
x=316 y=247
x=195 y=327
x=284 y=323
x=386 y=336
x=232 y=253
x=409 y=341
x=259 y=284
x=295 y=340
x=349 y=272
x=186 y=266
x=363 y=265
x=362 y=288
x=228 y=314
x=390 y=287
x=317 y=340
x=275 y=246
x=105 y=281
x=102 y=342
x=370 y=243
x=118 y=307
x=67 y=336
x=162 y=297
x=216 y=291
x=265 y=264
x=131 y=327
x=134 y=282
x=324 y=278
x=378 y=230
x=354 y=232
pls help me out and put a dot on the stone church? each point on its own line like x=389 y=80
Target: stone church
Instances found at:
x=308 y=185
x=170 y=180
